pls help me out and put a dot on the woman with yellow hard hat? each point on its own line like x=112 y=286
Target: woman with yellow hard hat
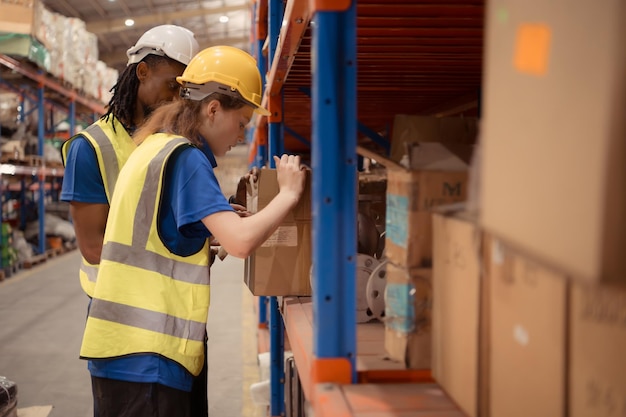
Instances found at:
x=147 y=320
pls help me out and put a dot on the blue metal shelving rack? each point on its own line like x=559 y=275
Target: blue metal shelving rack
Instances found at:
x=334 y=164
x=334 y=187
x=36 y=94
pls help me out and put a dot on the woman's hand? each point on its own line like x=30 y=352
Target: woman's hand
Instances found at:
x=290 y=175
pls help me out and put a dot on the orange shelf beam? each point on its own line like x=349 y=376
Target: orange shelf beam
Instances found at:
x=298 y=326
x=371 y=361
x=296 y=20
x=50 y=83
x=388 y=400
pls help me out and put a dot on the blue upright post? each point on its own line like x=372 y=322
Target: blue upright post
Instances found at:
x=277 y=369
x=334 y=190
x=275 y=138
x=72 y=117
x=22 y=113
x=275 y=15
x=261 y=150
x=23 y=203
x=41 y=114
x=260 y=161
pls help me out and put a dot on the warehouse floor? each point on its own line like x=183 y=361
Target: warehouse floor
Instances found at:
x=42 y=314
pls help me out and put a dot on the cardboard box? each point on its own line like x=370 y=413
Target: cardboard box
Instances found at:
x=282 y=265
x=408 y=129
x=408 y=305
x=528 y=337
x=373 y=195
x=17 y=18
x=456 y=308
x=552 y=136
x=410 y=197
x=597 y=352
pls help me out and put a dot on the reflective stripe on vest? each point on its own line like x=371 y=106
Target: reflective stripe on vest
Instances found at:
x=112 y=151
x=109 y=157
x=90 y=272
x=122 y=323
x=148 y=320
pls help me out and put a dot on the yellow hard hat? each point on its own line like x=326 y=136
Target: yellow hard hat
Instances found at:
x=226 y=70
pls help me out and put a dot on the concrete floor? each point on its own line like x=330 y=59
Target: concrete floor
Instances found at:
x=42 y=314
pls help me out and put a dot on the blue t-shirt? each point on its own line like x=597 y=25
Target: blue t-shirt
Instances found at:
x=191 y=192
x=82 y=181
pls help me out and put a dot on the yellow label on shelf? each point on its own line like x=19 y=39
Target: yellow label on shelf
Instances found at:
x=532 y=48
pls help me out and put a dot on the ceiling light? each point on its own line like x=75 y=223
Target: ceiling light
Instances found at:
x=129 y=22
x=223 y=18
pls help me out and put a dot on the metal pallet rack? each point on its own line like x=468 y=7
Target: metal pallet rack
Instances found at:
x=44 y=92
x=412 y=57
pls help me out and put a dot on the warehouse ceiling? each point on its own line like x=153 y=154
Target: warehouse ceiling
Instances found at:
x=106 y=19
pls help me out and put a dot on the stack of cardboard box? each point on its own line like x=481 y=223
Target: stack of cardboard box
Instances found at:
x=426 y=176
x=529 y=293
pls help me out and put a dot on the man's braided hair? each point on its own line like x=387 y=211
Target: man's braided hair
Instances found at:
x=123 y=102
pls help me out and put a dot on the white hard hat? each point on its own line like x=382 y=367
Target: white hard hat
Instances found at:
x=172 y=41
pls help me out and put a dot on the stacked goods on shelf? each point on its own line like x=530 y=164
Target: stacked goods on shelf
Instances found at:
x=453 y=131
x=17 y=44
x=597 y=342
x=527 y=342
x=540 y=299
x=430 y=171
x=73 y=50
x=372 y=191
x=9 y=110
x=408 y=303
x=426 y=175
x=58 y=44
x=9 y=259
x=370 y=271
x=553 y=135
x=515 y=337
x=457 y=303
x=498 y=318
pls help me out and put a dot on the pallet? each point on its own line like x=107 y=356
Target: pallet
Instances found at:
x=9 y=271
x=27 y=160
x=69 y=245
x=54 y=164
x=34 y=160
x=51 y=253
x=34 y=260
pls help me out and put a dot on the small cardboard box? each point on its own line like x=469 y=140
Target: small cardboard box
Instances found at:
x=552 y=137
x=408 y=305
x=456 y=308
x=528 y=336
x=408 y=129
x=597 y=352
x=410 y=197
x=17 y=18
x=282 y=265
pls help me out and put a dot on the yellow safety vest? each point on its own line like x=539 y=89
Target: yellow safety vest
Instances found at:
x=147 y=299
x=113 y=145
